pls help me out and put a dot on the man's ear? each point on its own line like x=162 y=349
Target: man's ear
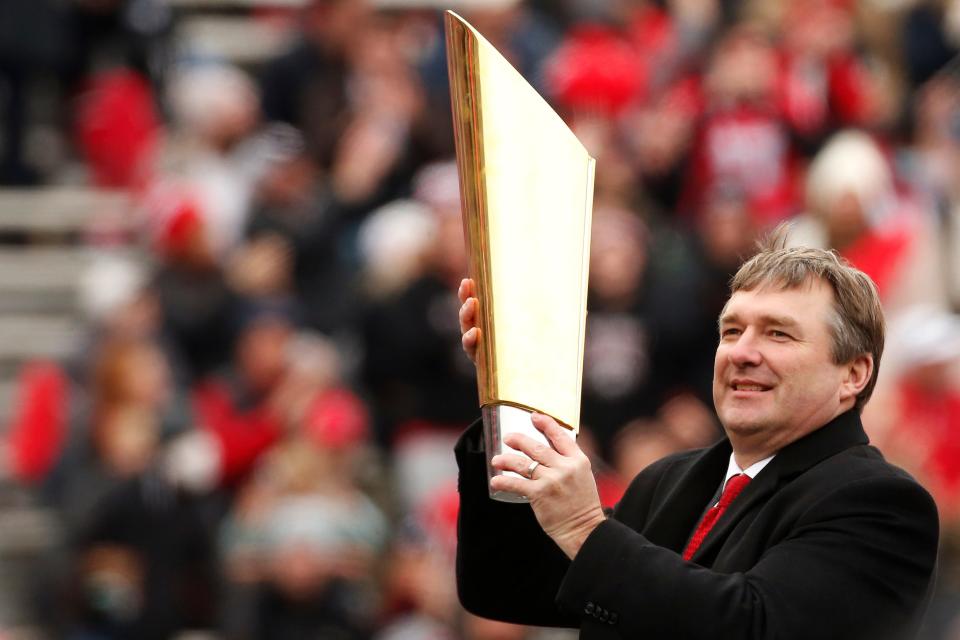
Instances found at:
x=857 y=374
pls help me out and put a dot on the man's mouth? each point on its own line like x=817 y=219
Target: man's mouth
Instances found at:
x=749 y=386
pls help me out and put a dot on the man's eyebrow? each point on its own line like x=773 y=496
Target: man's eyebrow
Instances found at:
x=780 y=321
x=766 y=319
x=726 y=318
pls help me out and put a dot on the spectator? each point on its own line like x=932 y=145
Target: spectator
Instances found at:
x=193 y=294
x=637 y=348
x=215 y=108
x=118 y=440
x=825 y=84
x=32 y=44
x=296 y=210
x=307 y=86
x=743 y=141
x=304 y=538
x=412 y=367
x=855 y=209
x=239 y=405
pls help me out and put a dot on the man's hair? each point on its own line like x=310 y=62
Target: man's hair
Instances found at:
x=857 y=325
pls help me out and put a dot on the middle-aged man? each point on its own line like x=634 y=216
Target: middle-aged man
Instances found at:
x=791 y=527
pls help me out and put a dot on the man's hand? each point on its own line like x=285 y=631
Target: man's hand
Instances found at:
x=469 y=307
x=562 y=489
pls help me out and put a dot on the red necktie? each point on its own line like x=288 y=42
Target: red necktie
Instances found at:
x=732 y=489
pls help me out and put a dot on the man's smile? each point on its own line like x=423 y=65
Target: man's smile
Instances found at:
x=748 y=386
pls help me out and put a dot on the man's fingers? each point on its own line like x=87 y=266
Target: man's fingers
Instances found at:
x=511 y=462
x=533 y=449
x=470 y=340
x=468 y=318
x=468 y=315
x=466 y=289
x=517 y=464
x=513 y=484
x=557 y=435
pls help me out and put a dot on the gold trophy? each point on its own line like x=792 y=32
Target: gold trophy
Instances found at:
x=526 y=185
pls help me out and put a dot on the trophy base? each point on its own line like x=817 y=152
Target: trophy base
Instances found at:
x=498 y=421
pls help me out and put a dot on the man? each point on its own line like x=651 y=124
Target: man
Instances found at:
x=824 y=539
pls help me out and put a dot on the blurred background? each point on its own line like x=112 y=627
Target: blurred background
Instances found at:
x=230 y=242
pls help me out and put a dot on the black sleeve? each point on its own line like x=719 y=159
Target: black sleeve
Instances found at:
x=507 y=567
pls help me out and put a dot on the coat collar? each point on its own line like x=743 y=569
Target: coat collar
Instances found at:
x=698 y=484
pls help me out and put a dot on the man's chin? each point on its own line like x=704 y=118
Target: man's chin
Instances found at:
x=743 y=423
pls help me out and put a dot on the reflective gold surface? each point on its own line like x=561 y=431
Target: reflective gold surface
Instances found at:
x=527 y=192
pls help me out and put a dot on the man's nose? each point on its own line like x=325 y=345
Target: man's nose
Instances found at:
x=745 y=351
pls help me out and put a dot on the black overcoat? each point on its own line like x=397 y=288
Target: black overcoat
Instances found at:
x=828 y=541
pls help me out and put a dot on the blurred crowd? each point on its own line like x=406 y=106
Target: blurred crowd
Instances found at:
x=255 y=439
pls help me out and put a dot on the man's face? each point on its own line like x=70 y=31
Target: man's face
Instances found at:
x=261 y=352
x=774 y=379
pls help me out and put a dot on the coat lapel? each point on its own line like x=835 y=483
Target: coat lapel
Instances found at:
x=679 y=511
x=841 y=433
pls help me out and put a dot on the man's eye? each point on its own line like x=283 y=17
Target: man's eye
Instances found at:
x=780 y=334
x=729 y=332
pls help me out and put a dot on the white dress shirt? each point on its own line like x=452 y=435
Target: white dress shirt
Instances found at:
x=734 y=469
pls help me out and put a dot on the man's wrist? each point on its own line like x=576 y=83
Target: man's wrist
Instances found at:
x=571 y=543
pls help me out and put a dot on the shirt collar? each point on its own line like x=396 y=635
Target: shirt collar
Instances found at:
x=752 y=471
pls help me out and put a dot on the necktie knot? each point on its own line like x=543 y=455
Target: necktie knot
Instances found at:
x=732 y=489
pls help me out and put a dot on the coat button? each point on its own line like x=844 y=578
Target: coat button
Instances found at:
x=613 y=617
x=589 y=609
x=604 y=615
